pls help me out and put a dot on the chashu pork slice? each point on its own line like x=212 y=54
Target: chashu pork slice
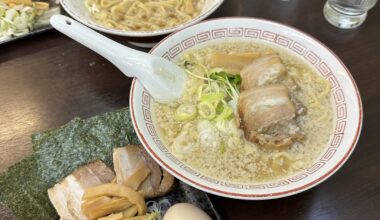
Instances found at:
x=262 y=106
x=128 y=161
x=66 y=196
x=267 y=69
x=267 y=116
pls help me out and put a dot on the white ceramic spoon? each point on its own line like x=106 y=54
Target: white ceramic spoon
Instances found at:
x=164 y=80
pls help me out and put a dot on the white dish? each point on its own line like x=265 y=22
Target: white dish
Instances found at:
x=345 y=99
x=78 y=11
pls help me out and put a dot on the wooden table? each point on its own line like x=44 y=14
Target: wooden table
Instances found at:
x=48 y=79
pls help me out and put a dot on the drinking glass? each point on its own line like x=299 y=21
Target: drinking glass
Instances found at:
x=347 y=13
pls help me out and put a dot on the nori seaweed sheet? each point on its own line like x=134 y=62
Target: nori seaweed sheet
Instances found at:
x=57 y=153
x=24 y=192
x=61 y=151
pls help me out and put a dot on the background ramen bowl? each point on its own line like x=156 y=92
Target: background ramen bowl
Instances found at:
x=78 y=11
x=345 y=100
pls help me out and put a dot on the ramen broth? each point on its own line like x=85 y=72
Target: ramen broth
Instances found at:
x=219 y=148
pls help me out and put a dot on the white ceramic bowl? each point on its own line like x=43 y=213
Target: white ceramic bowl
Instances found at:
x=345 y=99
x=78 y=11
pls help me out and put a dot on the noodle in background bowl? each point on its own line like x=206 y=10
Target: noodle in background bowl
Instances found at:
x=345 y=100
x=78 y=10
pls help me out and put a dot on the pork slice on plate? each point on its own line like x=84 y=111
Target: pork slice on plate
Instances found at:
x=66 y=196
x=135 y=168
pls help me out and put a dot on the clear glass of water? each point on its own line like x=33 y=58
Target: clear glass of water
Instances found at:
x=347 y=13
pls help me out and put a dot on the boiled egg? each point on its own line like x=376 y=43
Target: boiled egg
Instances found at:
x=185 y=211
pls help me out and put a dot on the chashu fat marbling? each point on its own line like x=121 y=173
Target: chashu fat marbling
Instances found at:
x=267 y=111
x=66 y=196
x=127 y=160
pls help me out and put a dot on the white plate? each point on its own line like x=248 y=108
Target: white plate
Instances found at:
x=345 y=99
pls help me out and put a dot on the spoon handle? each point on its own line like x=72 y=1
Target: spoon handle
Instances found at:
x=164 y=80
x=122 y=57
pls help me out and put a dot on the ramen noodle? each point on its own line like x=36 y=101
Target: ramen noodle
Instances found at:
x=143 y=15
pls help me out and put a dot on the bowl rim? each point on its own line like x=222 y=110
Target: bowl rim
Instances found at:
x=264 y=196
x=159 y=32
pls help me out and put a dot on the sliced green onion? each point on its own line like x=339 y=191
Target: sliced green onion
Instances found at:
x=212 y=97
x=206 y=110
x=227 y=112
x=219 y=106
x=185 y=112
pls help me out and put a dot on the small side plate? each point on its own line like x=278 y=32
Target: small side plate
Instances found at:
x=42 y=24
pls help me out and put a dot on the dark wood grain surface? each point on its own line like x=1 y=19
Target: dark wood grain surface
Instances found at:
x=48 y=79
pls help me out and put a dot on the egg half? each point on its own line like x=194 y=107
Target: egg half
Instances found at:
x=185 y=211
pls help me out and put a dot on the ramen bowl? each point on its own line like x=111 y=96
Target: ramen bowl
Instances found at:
x=345 y=101
x=78 y=11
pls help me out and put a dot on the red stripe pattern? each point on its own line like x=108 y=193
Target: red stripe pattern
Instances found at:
x=311 y=57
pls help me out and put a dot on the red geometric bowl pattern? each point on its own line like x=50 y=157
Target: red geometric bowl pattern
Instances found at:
x=283 y=41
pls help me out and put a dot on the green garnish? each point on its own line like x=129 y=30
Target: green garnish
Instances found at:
x=206 y=110
x=221 y=89
x=212 y=97
x=185 y=112
x=225 y=114
x=230 y=82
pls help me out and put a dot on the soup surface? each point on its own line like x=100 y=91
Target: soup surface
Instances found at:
x=204 y=129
